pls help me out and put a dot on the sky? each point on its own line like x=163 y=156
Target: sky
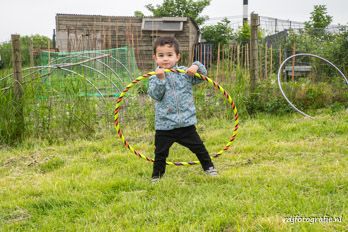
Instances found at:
x=38 y=16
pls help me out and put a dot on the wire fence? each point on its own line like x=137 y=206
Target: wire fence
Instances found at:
x=270 y=25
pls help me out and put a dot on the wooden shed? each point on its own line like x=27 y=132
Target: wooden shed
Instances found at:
x=96 y=32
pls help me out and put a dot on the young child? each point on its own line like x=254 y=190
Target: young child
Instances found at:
x=175 y=116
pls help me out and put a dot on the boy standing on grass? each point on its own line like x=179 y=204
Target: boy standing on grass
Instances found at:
x=175 y=116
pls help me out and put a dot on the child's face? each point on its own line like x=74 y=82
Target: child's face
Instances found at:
x=166 y=57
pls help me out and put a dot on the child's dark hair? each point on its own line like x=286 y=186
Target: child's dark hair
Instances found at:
x=171 y=41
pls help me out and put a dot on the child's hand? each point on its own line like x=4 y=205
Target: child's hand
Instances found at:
x=160 y=73
x=191 y=71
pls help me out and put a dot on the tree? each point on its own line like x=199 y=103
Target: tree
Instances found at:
x=337 y=50
x=244 y=34
x=318 y=22
x=138 y=14
x=39 y=42
x=220 y=33
x=180 y=8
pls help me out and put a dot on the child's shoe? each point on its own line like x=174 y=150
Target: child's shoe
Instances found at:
x=211 y=171
x=155 y=179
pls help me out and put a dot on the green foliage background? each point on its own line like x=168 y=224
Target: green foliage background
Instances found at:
x=180 y=8
x=39 y=42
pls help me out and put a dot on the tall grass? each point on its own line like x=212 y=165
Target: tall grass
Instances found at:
x=54 y=108
x=64 y=106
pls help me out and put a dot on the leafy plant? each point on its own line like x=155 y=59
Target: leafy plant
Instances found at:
x=39 y=42
x=180 y=8
x=318 y=22
x=243 y=34
x=221 y=33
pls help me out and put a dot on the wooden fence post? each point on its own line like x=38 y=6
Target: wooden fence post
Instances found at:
x=266 y=61
x=247 y=56
x=232 y=56
x=293 y=63
x=242 y=55
x=260 y=63
x=218 y=62
x=238 y=55
x=68 y=42
x=49 y=56
x=229 y=59
x=223 y=62
x=211 y=55
x=271 y=60
x=31 y=52
x=18 y=89
x=280 y=55
x=254 y=51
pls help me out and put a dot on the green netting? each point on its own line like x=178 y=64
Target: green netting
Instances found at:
x=124 y=54
x=103 y=76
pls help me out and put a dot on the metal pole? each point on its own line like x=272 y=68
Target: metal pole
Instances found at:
x=245 y=11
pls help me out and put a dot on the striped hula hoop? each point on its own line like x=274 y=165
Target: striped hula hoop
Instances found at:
x=197 y=75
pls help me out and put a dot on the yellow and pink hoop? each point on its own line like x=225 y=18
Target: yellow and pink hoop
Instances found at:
x=197 y=75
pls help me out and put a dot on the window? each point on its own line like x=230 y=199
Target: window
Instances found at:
x=163 y=24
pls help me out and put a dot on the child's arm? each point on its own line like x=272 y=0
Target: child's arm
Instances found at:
x=196 y=67
x=157 y=85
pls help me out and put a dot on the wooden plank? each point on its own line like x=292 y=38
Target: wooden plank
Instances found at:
x=17 y=87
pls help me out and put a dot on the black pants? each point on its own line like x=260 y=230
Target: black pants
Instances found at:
x=186 y=136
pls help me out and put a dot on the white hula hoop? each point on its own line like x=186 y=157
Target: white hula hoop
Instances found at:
x=304 y=54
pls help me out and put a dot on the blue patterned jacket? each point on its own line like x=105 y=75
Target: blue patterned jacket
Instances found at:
x=174 y=107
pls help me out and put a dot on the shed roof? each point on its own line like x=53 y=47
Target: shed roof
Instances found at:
x=183 y=19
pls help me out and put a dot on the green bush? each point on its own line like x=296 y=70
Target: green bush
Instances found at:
x=39 y=42
x=304 y=94
x=267 y=98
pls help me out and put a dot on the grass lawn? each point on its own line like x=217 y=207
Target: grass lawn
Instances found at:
x=278 y=167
